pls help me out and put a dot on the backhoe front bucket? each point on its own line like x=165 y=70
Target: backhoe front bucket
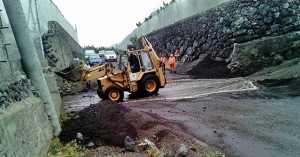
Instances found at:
x=70 y=73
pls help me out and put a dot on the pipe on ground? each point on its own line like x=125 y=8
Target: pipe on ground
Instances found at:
x=30 y=59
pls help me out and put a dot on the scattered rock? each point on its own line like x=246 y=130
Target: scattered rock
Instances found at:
x=182 y=151
x=14 y=89
x=90 y=144
x=129 y=144
x=79 y=136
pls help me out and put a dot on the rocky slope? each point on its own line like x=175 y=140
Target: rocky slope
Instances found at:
x=220 y=32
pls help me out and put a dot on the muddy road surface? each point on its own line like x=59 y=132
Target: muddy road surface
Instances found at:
x=235 y=115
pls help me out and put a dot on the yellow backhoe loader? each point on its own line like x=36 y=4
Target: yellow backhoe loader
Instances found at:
x=138 y=71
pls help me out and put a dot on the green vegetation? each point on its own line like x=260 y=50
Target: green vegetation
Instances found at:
x=278 y=59
x=138 y=24
x=57 y=149
x=63 y=117
x=134 y=39
x=213 y=153
x=82 y=58
x=194 y=63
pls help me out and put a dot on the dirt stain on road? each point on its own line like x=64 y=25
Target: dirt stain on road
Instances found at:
x=238 y=116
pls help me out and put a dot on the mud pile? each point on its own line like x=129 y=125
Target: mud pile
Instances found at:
x=281 y=87
x=102 y=123
x=209 y=68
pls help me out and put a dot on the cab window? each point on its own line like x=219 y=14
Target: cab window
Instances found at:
x=146 y=61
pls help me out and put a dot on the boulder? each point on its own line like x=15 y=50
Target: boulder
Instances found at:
x=252 y=56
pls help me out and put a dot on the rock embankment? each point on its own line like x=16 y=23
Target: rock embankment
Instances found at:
x=15 y=90
x=214 y=32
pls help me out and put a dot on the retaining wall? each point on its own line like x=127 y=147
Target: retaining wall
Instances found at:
x=37 y=13
x=24 y=126
x=214 y=32
x=60 y=48
x=25 y=129
x=175 y=12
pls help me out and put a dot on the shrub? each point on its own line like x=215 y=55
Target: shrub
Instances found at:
x=278 y=59
x=57 y=149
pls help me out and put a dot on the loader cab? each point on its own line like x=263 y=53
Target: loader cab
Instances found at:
x=122 y=60
x=146 y=62
x=140 y=62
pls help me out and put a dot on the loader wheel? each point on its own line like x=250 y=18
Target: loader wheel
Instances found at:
x=114 y=93
x=149 y=85
x=101 y=95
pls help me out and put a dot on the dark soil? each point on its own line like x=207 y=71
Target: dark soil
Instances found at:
x=209 y=68
x=107 y=123
x=99 y=123
x=281 y=87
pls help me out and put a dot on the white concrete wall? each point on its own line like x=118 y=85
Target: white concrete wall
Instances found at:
x=179 y=10
x=175 y=12
x=38 y=13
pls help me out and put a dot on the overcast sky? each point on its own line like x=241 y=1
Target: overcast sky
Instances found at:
x=106 y=22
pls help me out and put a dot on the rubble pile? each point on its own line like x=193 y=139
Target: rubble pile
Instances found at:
x=99 y=124
x=16 y=89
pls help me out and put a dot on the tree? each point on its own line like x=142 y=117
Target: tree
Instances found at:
x=138 y=24
x=134 y=39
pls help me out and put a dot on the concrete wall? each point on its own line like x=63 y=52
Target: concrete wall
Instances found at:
x=179 y=10
x=24 y=126
x=175 y=12
x=52 y=85
x=38 y=13
x=25 y=129
x=60 y=48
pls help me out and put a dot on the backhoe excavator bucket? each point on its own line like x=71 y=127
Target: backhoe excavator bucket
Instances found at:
x=70 y=73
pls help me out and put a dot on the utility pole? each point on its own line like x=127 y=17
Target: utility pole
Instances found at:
x=30 y=59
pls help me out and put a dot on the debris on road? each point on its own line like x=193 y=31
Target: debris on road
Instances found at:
x=112 y=128
x=102 y=122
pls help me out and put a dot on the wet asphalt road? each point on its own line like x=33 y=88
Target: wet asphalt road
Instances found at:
x=232 y=114
x=229 y=113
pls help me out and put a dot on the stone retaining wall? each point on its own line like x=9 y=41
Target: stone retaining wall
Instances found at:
x=252 y=56
x=214 y=32
x=24 y=126
x=16 y=89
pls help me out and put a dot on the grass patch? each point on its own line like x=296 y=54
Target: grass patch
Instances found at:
x=213 y=153
x=77 y=84
x=63 y=117
x=57 y=149
x=195 y=63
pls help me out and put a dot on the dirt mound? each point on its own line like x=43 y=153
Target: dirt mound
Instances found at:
x=99 y=123
x=107 y=123
x=209 y=68
x=281 y=87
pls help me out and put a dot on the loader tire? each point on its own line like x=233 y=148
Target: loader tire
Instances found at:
x=114 y=93
x=101 y=95
x=149 y=85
